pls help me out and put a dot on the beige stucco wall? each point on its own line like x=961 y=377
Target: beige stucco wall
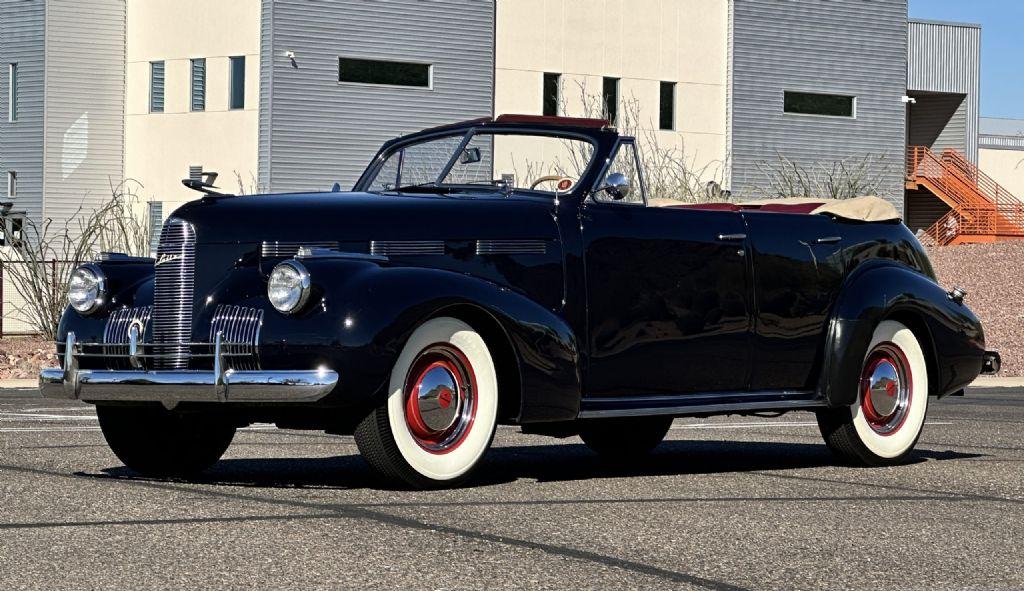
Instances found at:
x=160 y=147
x=1006 y=167
x=642 y=42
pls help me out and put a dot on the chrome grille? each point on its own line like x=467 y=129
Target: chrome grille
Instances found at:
x=239 y=328
x=274 y=249
x=406 y=247
x=511 y=247
x=115 y=334
x=173 y=293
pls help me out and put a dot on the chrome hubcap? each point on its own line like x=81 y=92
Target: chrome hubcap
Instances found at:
x=440 y=400
x=886 y=389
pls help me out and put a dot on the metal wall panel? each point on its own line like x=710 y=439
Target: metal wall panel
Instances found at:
x=848 y=47
x=21 y=142
x=85 y=96
x=315 y=131
x=938 y=121
x=946 y=57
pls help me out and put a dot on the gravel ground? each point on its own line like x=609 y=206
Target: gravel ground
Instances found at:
x=993 y=275
x=23 y=357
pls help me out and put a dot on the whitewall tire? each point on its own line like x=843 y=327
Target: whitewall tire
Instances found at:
x=882 y=426
x=441 y=411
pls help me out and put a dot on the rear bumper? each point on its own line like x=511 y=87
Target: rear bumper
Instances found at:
x=991 y=362
x=173 y=386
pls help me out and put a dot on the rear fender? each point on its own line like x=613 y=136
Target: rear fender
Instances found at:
x=950 y=334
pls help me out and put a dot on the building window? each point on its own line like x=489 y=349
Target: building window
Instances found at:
x=610 y=100
x=384 y=72
x=828 y=105
x=12 y=183
x=12 y=80
x=667 y=119
x=156 y=220
x=156 y=87
x=238 y=82
x=199 y=84
x=552 y=93
x=17 y=229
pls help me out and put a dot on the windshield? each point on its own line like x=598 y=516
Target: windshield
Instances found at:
x=541 y=163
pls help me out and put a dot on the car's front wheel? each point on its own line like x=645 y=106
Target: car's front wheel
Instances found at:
x=160 y=443
x=441 y=411
x=882 y=426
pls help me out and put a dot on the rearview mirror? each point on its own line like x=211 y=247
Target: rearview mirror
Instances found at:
x=617 y=186
x=470 y=156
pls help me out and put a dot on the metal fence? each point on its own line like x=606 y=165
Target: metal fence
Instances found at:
x=13 y=320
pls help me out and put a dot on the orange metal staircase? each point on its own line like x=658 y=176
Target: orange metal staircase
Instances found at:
x=980 y=209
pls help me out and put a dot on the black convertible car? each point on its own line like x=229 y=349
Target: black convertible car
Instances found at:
x=509 y=271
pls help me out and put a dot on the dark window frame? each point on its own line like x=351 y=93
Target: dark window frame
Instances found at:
x=798 y=102
x=236 y=83
x=610 y=98
x=197 y=102
x=364 y=78
x=12 y=98
x=12 y=183
x=153 y=106
x=667 y=109
x=551 y=97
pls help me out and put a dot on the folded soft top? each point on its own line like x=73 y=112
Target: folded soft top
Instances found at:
x=866 y=209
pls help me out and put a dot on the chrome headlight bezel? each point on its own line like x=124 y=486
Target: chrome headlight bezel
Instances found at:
x=96 y=293
x=297 y=281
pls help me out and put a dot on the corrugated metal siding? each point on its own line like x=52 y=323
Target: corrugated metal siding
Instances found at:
x=847 y=47
x=938 y=121
x=315 y=131
x=85 y=94
x=21 y=142
x=946 y=58
x=999 y=142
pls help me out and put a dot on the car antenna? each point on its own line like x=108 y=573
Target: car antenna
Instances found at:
x=205 y=184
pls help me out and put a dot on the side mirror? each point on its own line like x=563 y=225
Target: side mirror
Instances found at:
x=470 y=156
x=617 y=186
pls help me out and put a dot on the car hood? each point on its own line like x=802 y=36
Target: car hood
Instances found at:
x=311 y=217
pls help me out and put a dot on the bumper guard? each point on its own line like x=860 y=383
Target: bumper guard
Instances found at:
x=172 y=387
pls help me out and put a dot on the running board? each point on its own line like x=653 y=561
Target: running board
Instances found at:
x=698 y=404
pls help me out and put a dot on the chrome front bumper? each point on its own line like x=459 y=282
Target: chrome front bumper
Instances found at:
x=172 y=387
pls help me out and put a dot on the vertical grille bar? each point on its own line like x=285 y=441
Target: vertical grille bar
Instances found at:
x=173 y=293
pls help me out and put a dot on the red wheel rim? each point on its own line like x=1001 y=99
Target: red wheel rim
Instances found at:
x=440 y=398
x=886 y=389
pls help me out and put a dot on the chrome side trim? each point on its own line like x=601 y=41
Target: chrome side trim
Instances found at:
x=275 y=249
x=705 y=404
x=511 y=247
x=406 y=247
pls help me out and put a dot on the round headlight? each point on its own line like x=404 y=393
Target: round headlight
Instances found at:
x=288 y=288
x=87 y=288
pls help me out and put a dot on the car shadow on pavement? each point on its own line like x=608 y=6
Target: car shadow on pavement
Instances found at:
x=543 y=463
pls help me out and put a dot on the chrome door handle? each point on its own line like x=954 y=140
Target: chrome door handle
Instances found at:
x=732 y=237
x=829 y=240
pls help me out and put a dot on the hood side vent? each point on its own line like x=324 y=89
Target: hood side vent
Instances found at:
x=406 y=247
x=511 y=247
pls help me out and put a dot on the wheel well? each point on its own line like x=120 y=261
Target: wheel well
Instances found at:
x=919 y=327
x=500 y=346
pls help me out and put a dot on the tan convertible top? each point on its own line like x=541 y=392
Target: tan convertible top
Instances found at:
x=866 y=208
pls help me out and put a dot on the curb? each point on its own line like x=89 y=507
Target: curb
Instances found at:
x=998 y=382
x=19 y=384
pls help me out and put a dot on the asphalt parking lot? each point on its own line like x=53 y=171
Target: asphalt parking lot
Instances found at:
x=726 y=503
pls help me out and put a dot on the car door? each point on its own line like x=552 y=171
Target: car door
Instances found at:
x=798 y=269
x=668 y=304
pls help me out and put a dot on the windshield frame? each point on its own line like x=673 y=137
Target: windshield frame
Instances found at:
x=467 y=134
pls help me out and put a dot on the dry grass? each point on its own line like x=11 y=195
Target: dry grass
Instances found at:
x=993 y=275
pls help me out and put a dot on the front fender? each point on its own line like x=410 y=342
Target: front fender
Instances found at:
x=366 y=311
x=950 y=334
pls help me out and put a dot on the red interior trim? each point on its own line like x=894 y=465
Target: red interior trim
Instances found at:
x=542 y=120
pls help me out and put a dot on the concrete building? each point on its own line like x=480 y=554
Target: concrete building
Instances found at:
x=282 y=95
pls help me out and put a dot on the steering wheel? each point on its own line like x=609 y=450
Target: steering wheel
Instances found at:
x=564 y=183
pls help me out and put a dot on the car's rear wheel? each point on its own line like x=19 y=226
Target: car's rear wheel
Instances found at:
x=624 y=438
x=160 y=443
x=441 y=411
x=882 y=426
